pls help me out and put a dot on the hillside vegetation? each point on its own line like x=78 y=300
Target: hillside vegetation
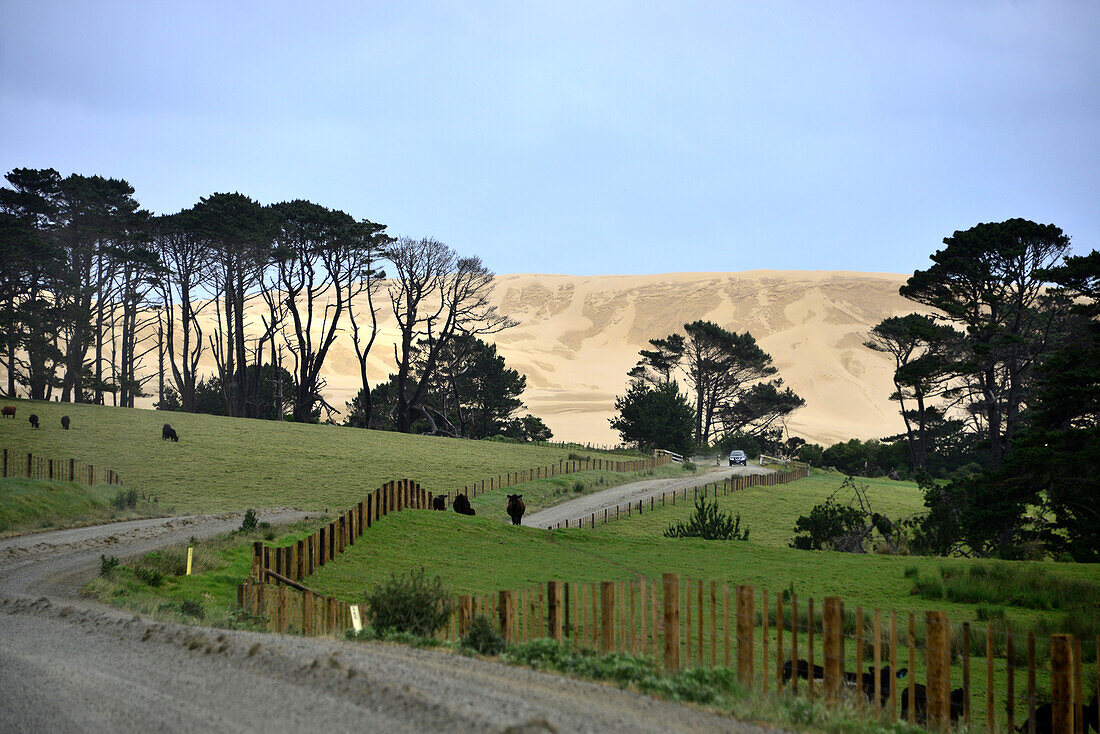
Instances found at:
x=235 y=463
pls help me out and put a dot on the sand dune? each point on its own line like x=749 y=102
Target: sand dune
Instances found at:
x=579 y=335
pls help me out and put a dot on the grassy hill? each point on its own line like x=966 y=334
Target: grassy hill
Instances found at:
x=233 y=463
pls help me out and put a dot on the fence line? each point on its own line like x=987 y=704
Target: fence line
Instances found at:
x=29 y=466
x=511 y=479
x=773 y=642
x=713 y=489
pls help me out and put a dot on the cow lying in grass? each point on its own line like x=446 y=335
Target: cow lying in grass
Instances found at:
x=462 y=505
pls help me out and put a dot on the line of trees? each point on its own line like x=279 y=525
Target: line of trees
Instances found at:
x=731 y=399
x=93 y=288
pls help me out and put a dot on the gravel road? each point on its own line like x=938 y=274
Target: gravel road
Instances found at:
x=583 y=507
x=72 y=665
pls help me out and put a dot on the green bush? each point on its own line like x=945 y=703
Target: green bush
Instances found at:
x=248 y=524
x=578 y=486
x=483 y=637
x=125 y=499
x=830 y=526
x=410 y=603
x=106 y=565
x=689 y=466
x=709 y=523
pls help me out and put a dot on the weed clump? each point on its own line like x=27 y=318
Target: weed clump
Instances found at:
x=578 y=486
x=149 y=576
x=709 y=523
x=689 y=466
x=410 y=603
x=483 y=637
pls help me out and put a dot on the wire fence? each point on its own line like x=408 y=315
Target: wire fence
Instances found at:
x=29 y=466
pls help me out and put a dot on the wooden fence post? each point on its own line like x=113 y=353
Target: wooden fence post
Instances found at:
x=746 y=611
x=607 y=616
x=671 y=583
x=553 y=609
x=1061 y=683
x=505 y=614
x=834 y=649
x=465 y=614
x=938 y=665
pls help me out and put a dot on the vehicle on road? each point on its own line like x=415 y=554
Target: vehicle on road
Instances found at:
x=738 y=457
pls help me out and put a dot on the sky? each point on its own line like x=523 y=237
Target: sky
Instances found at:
x=583 y=138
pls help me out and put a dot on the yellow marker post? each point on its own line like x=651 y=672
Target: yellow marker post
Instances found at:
x=356 y=620
x=189 y=552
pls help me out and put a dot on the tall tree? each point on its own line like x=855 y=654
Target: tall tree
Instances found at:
x=988 y=281
x=238 y=233
x=185 y=260
x=654 y=417
x=435 y=295
x=925 y=360
x=367 y=281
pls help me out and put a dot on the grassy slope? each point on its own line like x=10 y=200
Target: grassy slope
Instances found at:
x=231 y=463
x=32 y=504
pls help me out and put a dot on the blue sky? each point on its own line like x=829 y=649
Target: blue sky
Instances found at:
x=587 y=137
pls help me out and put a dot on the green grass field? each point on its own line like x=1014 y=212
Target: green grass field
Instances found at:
x=233 y=463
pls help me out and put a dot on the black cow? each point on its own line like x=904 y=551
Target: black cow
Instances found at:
x=866 y=682
x=920 y=696
x=167 y=432
x=33 y=420
x=65 y=422
x=462 y=505
x=516 y=508
x=803 y=671
x=439 y=502
x=1044 y=719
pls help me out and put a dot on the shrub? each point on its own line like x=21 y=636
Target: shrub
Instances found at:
x=578 y=486
x=248 y=524
x=709 y=523
x=149 y=576
x=483 y=637
x=830 y=526
x=577 y=457
x=125 y=499
x=410 y=603
x=689 y=466
x=192 y=608
x=106 y=565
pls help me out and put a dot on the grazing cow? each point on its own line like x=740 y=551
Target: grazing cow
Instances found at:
x=516 y=508
x=167 y=432
x=462 y=505
x=65 y=422
x=439 y=502
x=33 y=420
x=920 y=696
x=8 y=411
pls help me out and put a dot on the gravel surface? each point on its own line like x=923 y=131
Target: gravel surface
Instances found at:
x=583 y=507
x=72 y=665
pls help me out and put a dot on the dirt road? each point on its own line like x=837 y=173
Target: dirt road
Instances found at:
x=72 y=665
x=583 y=507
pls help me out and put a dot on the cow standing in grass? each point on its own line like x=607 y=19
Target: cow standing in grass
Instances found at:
x=516 y=508
x=33 y=420
x=167 y=432
x=439 y=502
x=65 y=422
x=9 y=411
